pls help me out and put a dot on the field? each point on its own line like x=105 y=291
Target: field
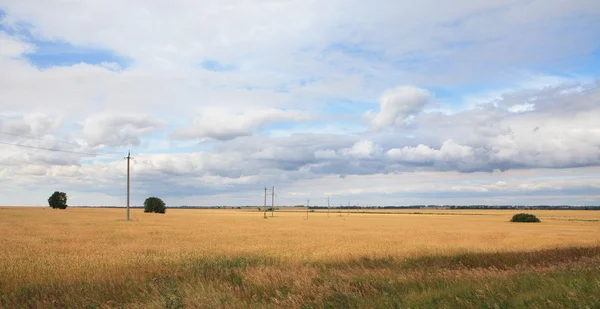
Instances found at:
x=92 y=258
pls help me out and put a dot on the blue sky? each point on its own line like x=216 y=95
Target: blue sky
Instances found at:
x=392 y=103
x=51 y=53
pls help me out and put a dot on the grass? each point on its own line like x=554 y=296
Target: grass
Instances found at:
x=89 y=258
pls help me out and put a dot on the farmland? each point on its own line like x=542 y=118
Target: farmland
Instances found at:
x=234 y=258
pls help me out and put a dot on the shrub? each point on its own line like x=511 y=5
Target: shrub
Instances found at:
x=154 y=204
x=523 y=217
x=58 y=200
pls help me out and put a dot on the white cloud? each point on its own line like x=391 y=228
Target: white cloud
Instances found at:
x=363 y=149
x=223 y=124
x=450 y=151
x=521 y=108
x=35 y=124
x=326 y=154
x=419 y=154
x=112 y=130
x=397 y=105
x=12 y=47
x=300 y=67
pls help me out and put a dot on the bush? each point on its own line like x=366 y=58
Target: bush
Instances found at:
x=58 y=200
x=154 y=204
x=523 y=217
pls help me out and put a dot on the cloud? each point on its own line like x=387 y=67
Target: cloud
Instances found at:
x=12 y=47
x=559 y=133
x=397 y=105
x=112 y=130
x=363 y=149
x=217 y=99
x=485 y=139
x=35 y=124
x=467 y=141
x=222 y=124
x=449 y=152
x=521 y=108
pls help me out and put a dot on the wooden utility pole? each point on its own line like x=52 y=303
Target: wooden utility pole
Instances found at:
x=128 y=160
x=265 y=208
x=307 y=208
x=272 y=201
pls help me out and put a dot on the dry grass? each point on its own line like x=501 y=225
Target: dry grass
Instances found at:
x=42 y=248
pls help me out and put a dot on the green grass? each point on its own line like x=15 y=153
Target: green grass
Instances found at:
x=558 y=278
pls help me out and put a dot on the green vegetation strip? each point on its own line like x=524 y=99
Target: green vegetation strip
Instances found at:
x=557 y=278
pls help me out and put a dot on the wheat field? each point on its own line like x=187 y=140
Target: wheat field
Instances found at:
x=45 y=249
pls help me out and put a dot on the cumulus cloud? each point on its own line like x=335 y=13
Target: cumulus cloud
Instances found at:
x=521 y=108
x=222 y=124
x=397 y=105
x=300 y=67
x=35 y=124
x=363 y=149
x=559 y=133
x=450 y=151
x=482 y=140
x=469 y=142
x=12 y=47
x=113 y=130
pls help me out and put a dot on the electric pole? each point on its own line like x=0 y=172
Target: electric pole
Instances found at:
x=328 y=207
x=265 y=208
x=272 y=201
x=307 y=208
x=128 y=159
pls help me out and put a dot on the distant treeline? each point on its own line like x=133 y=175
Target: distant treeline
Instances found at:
x=538 y=207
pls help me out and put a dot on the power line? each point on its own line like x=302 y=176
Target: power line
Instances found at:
x=39 y=138
x=50 y=149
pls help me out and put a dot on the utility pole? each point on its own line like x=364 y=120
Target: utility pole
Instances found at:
x=328 y=207
x=265 y=208
x=272 y=201
x=128 y=159
x=307 y=208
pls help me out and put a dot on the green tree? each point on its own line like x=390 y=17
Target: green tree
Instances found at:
x=523 y=217
x=154 y=204
x=58 y=200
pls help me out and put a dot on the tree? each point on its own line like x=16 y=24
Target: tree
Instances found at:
x=154 y=204
x=58 y=200
x=523 y=217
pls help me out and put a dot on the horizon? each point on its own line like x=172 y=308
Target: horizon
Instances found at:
x=324 y=207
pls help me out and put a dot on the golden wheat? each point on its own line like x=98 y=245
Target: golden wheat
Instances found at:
x=41 y=243
x=75 y=247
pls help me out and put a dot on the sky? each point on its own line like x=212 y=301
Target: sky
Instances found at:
x=382 y=102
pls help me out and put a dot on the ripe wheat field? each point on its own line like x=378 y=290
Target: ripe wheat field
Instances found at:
x=92 y=258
